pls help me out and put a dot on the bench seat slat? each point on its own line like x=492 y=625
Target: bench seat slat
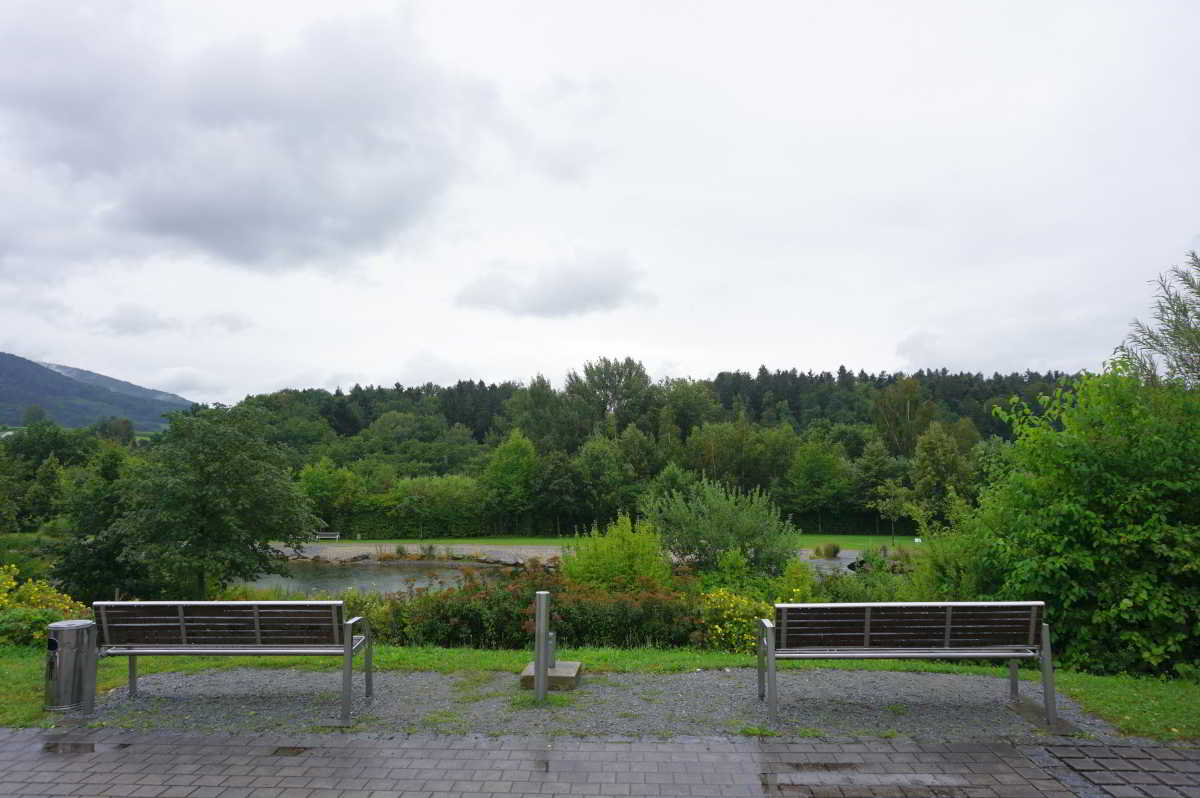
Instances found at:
x=204 y=650
x=906 y=653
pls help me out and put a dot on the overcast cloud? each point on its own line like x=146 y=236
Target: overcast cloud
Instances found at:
x=220 y=198
x=135 y=320
x=261 y=157
x=584 y=285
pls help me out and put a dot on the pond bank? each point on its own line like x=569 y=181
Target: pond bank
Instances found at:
x=494 y=554
x=498 y=554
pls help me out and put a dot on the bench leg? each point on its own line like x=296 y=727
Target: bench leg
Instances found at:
x=347 y=674
x=132 y=676
x=762 y=665
x=368 y=661
x=772 y=685
x=1048 y=678
x=1013 y=691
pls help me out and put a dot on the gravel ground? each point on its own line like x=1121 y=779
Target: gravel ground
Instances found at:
x=921 y=707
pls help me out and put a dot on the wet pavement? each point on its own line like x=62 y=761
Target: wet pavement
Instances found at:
x=113 y=762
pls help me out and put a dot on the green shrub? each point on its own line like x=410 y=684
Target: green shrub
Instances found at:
x=501 y=615
x=595 y=617
x=625 y=556
x=950 y=567
x=797 y=585
x=385 y=614
x=699 y=525
x=733 y=573
x=1098 y=517
x=867 y=584
x=473 y=615
x=732 y=565
x=826 y=551
x=26 y=626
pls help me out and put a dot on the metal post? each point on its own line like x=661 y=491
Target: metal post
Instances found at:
x=347 y=673
x=132 y=676
x=772 y=684
x=368 y=662
x=761 y=645
x=541 y=643
x=91 y=665
x=1013 y=691
x=1048 y=677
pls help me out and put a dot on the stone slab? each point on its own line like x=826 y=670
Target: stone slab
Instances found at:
x=563 y=676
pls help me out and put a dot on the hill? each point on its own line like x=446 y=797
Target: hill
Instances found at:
x=77 y=398
x=119 y=386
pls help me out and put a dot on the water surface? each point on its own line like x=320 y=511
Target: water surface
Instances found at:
x=373 y=577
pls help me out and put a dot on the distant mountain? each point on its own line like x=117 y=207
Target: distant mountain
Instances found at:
x=118 y=386
x=74 y=397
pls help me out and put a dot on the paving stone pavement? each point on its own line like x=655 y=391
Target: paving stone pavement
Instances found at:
x=113 y=762
x=1121 y=771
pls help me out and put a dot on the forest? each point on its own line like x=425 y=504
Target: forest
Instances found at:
x=835 y=451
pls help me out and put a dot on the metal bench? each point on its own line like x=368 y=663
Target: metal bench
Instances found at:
x=1009 y=630
x=329 y=535
x=234 y=628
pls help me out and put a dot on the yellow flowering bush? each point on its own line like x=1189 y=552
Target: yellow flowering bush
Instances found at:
x=8 y=581
x=730 y=620
x=36 y=594
x=26 y=609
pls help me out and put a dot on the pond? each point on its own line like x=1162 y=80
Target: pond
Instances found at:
x=373 y=577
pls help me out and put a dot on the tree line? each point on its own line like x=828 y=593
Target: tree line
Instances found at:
x=834 y=451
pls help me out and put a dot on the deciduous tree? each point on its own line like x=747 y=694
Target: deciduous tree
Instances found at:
x=509 y=477
x=211 y=498
x=902 y=412
x=817 y=482
x=1174 y=335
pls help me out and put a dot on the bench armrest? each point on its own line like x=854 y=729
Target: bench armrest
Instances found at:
x=765 y=639
x=348 y=628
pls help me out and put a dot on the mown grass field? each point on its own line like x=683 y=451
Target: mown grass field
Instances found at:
x=1163 y=709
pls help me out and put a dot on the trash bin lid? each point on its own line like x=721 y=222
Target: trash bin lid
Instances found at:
x=71 y=624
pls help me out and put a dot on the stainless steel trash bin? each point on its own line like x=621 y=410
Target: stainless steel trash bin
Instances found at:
x=71 y=666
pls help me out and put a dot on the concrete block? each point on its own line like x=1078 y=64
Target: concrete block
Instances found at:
x=563 y=676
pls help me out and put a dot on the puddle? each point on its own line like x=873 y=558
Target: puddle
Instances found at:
x=289 y=750
x=81 y=748
x=771 y=786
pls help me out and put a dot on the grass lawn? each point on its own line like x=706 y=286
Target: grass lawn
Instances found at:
x=859 y=542
x=1166 y=710
x=505 y=540
x=806 y=541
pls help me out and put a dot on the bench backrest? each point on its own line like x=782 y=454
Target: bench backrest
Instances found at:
x=221 y=623
x=955 y=624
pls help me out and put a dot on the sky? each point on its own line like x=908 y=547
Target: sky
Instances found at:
x=224 y=198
